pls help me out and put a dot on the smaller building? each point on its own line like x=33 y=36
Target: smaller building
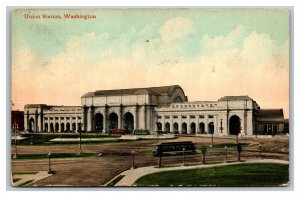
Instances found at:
x=50 y=118
x=17 y=120
x=270 y=122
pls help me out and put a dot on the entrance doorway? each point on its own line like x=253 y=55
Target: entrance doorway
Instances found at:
x=234 y=125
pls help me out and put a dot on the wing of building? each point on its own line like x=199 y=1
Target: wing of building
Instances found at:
x=163 y=108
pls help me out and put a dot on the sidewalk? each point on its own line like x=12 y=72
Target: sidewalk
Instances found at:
x=132 y=175
x=30 y=178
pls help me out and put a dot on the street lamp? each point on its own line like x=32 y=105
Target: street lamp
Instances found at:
x=132 y=152
x=49 y=163
x=15 y=127
x=156 y=130
x=183 y=163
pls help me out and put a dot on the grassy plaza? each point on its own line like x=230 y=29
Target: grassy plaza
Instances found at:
x=242 y=175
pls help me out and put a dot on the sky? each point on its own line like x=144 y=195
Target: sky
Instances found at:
x=210 y=53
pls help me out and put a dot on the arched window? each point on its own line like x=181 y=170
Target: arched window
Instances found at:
x=175 y=126
x=184 y=128
x=113 y=121
x=211 y=128
x=98 y=122
x=167 y=127
x=46 y=127
x=202 y=128
x=128 y=121
x=193 y=128
x=234 y=125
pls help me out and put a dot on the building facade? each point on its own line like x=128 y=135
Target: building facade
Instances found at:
x=17 y=120
x=163 y=108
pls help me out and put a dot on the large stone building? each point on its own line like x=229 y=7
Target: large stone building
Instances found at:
x=156 y=108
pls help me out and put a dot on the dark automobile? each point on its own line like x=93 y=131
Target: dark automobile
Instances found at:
x=167 y=148
x=119 y=131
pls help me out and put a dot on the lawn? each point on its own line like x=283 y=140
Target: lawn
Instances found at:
x=53 y=156
x=56 y=138
x=241 y=175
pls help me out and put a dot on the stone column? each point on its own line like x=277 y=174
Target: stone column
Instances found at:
x=227 y=122
x=155 y=123
x=171 y=124
x=105 y=119
x=92 y=118
x=242 y=131
x=245 y=122
x=121 y=116
x=41 y=121
x=84 y=118
x=65 y=123
x=119 y=113
x=148 y=125
x=250 y=125
x=89 y=124
x=216 y=124
x=145 y=117
x=76 y=124
x=180 y=124
x=206 y=124
x=163 y=122
x=197 y=125
x=136 y=117
x=36 y=121
x=26 y=120
x=59 y=126
x=188 y=124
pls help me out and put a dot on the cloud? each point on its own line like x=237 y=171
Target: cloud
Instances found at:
x=176 y=28
x=238 y=63
x=222 y=42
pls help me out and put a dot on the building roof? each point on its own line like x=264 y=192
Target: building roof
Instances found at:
x=235 y=98
x=35 y=105
x=150 y=90
x=270 y=113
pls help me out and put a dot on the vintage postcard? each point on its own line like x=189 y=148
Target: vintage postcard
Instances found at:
x=191 y=97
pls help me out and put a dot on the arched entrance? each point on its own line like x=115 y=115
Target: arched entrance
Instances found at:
x=62 y=127
x=128 y=121
x=211 y=128
x=167 y=127
x=98 y=122
x=234 y=125
x=31 y=125
x=68 y=127
x=202 y=128
x=73 y=126
x=79 y=126
x=56 y=127
x=193 y=128
x=184 y=128
x=113 y=121
x=175 y=126
x=51 y=127
x=46 y=127
x=159 y=126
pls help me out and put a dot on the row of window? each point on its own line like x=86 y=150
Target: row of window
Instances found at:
x=62 y=118
x=195 y=105
x=183 y=116
x=77 y=109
